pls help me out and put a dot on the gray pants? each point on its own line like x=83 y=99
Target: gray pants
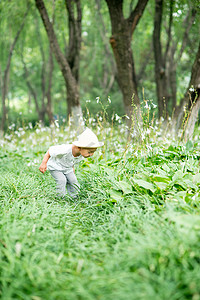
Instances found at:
x=63 y=180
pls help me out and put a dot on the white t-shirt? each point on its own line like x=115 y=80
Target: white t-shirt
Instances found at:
x=62 y=159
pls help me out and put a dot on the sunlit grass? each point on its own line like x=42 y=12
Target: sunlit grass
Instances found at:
x=133 y=233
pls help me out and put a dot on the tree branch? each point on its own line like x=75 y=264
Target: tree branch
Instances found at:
x=169 y=31
x=136 y=14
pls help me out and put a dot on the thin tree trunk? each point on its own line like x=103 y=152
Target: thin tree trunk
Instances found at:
x=74 y=21
x=51 y=67
x=6 y=73
x=193 y=101
x=160 y=72
x=193 y=117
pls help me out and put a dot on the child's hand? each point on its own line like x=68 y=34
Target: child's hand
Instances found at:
x=43 y=168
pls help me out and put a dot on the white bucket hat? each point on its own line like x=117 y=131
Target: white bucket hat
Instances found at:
x=88 y=139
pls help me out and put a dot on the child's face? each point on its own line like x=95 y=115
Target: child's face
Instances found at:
x=87 y=152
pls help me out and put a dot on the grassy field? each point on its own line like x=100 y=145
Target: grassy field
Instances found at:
x=134 y=232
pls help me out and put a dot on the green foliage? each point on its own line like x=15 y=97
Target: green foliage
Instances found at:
x=135 y=226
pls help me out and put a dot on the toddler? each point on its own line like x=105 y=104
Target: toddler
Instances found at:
x=60 y=161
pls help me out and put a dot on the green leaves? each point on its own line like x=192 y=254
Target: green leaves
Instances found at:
x=125 y=187
x=144 y=184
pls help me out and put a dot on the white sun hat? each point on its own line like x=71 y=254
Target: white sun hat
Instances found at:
x=88 y=139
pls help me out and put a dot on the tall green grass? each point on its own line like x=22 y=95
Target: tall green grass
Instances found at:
x=132 y=234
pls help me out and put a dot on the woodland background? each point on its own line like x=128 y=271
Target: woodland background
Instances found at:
x=61 y=58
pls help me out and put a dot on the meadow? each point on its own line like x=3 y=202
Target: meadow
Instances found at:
x=134 y=232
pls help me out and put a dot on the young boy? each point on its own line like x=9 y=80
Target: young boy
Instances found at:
x=60 y=161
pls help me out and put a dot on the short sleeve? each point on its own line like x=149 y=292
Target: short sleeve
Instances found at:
x=58 y=150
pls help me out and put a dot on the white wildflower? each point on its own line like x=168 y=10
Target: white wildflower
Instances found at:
x=192 y=89
x=117 y=117
x=56 y=123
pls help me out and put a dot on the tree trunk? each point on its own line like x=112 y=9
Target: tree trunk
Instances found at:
x=50 y=67
x=75 y=30
x=73 y=101
x=193 y=118
x=6 y=74
x=193 y=101
x=122 y=30
x=160 y=73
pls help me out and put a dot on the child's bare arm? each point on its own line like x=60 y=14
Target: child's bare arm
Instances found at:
x=43 y=166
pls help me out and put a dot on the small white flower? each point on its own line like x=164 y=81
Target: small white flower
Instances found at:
x=192 y=89
x=117 y=117
x=109 y=101
x=56 y=123
x=97 y=98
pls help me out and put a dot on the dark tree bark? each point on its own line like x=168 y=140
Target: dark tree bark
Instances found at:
x=6 y=73
x=75 y=29
x=73 y=99
x=160 y=72
x=122 y=31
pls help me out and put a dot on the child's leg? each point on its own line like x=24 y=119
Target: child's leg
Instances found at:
x=72 y=185
x=60 y=182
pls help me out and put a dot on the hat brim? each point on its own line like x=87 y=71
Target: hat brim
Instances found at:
x=90 y=145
